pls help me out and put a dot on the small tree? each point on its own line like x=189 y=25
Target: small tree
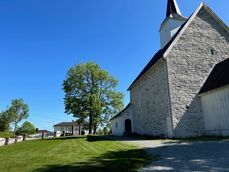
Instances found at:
x=18 y=111
x=27 y=128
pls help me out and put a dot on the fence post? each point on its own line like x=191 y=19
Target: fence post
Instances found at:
x=16 y=139
x=23 y=137
x=7 y=141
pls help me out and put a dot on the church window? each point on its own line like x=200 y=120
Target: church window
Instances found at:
x=212 y=51
x=116 y=125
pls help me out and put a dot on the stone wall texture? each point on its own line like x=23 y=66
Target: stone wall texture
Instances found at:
x=150 y=101
x=165 y=101
x=203 y=44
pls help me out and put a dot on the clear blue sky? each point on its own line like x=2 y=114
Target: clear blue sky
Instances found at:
x=41 y=39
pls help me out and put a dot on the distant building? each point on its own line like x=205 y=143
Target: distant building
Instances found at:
x=184 y=90
x=68 y=128
x=40 y=133
x=45 y=132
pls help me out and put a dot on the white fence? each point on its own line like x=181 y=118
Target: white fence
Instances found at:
x=28 y=137
x=12 y=140
x=2 y=141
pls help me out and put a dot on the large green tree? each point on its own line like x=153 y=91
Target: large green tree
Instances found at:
x=5 y=119
x=91 y=92
x=18 y=111
x=27 y=128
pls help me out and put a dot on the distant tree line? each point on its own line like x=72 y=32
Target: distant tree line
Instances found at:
x=91 y=95
x=15 y=113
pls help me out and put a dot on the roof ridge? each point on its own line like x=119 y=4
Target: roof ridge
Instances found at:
x=157 y=56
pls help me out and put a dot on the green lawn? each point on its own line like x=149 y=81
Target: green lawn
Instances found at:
x=6 y=134
x=72 y=154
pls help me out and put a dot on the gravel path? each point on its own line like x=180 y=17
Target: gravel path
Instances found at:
x=181 y=156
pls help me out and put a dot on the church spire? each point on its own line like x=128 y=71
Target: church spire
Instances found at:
x=172 y=8
x=172 y=22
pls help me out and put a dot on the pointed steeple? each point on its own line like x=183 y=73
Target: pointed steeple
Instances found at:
x=172 y=8
x=172 y=22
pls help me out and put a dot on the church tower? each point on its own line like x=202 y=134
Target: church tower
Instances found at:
x=172 y=22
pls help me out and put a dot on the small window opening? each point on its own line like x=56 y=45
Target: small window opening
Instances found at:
x=116 y=125
x=212 y=52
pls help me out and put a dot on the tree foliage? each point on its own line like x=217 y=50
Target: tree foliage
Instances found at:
x=18 y=111
x=91 y=93
x=5 y=120
x=27 y=128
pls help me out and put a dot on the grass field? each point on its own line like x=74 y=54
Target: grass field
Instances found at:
x=6 y=134
x=71 y=154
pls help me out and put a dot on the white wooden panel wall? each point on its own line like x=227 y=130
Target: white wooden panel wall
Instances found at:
x=216 y=111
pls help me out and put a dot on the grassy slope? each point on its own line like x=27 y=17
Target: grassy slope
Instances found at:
x=6 y=134
x=71 y=154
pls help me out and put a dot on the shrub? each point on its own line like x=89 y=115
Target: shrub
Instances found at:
x=26 y=128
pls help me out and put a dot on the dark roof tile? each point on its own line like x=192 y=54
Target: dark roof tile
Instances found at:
x=65 y=124
x=219 y=77
x=157 y=56
x=120 y=113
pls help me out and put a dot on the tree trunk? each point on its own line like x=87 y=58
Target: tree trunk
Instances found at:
x=15 y=127
x=90 y=124
x=95 y=127
x=72 y=129
x=79 y=130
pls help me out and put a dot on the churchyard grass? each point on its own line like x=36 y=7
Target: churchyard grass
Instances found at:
x=72 y=154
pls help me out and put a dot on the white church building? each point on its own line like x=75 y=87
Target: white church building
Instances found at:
x=184 y=90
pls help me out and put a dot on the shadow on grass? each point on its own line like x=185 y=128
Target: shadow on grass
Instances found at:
x=123 y=161
x=193 y=156
x=94 y=138
x=66 y=138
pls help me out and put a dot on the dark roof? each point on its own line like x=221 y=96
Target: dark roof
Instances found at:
x=43 y=131
x=219 y=77
x=119 y=114
x=172 y=8
x=65 y=124
x=157 y=56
